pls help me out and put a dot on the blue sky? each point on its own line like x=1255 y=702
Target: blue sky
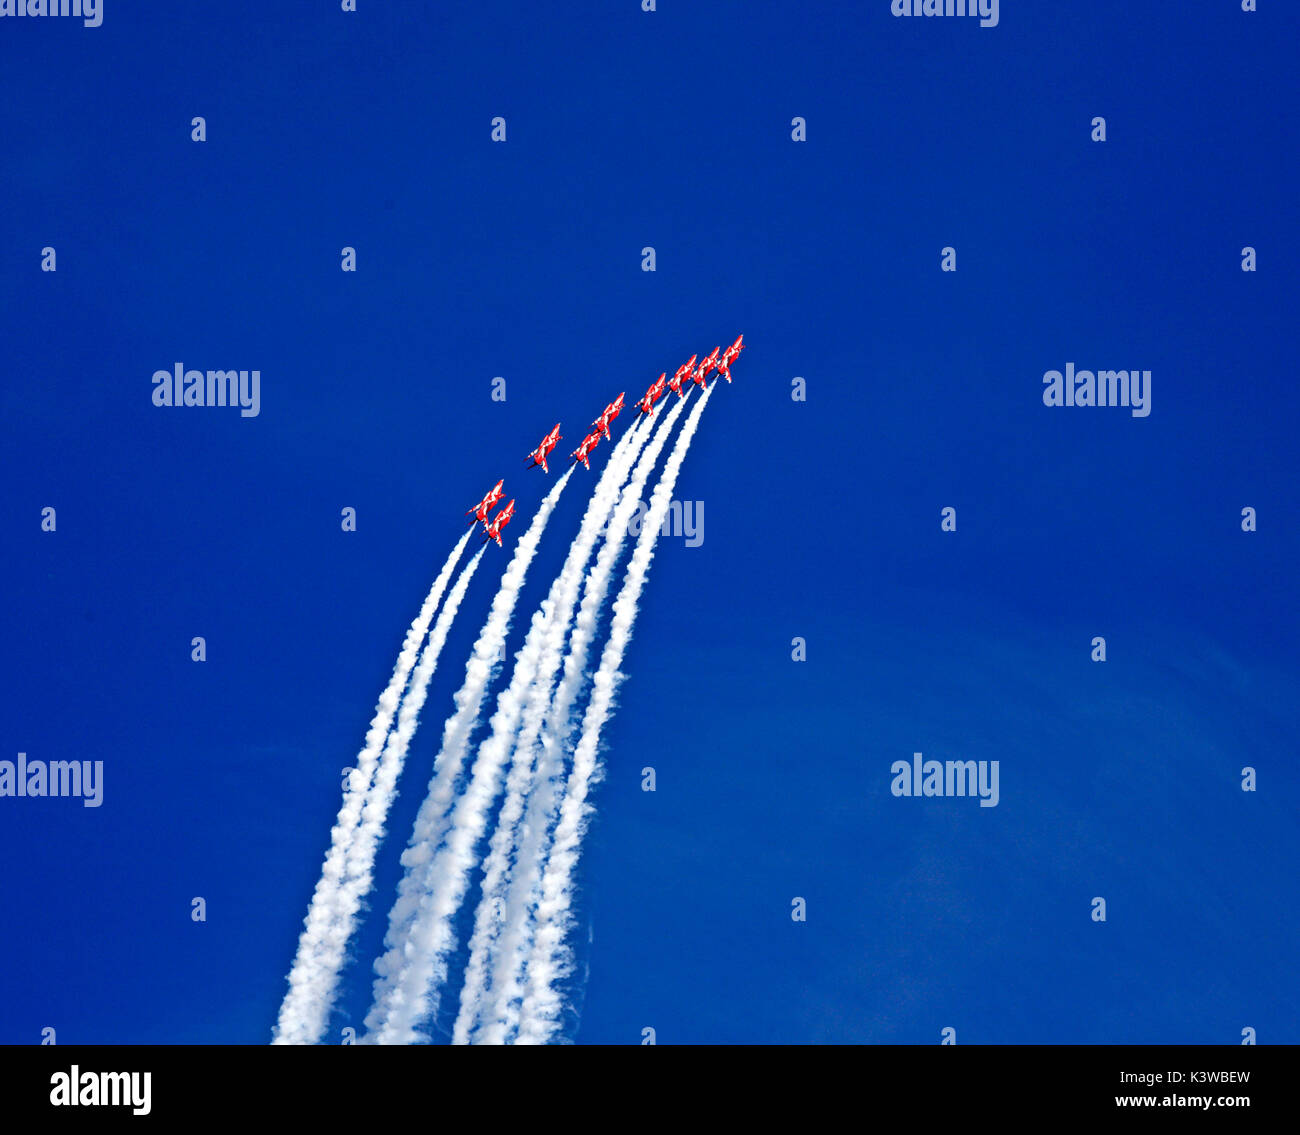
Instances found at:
x=821 y=519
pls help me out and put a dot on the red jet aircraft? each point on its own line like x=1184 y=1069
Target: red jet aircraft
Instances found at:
x=683 y=373
x=480 y=511
x=588 y=444
x=538 y=455
x=709 y=362
x=652 y=395
x=499 y=521
x=729 y=356
x=611 y=412
x=701 y=374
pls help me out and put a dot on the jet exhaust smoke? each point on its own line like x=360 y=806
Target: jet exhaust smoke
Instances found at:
x=399 y=1001
x=535 y=670
x=316 y=966
x=551 y=961
x=499 y=1014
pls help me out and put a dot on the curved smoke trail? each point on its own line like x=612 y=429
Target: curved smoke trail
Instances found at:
x=550 y=961
x=359 y=868
x=315 y=969
x=499 y=1014
x=396 y=1011
x=535 y=670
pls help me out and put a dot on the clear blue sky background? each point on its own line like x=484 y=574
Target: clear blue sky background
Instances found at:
x=821 y=519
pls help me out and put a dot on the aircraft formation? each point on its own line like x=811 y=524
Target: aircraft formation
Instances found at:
x=718 y=360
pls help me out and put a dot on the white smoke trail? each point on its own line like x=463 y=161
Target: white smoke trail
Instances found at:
x=315 y=969
x=534 y=674
x=359 y=866
x=394 y=1013
x=550 y=961
x=499 y=1014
